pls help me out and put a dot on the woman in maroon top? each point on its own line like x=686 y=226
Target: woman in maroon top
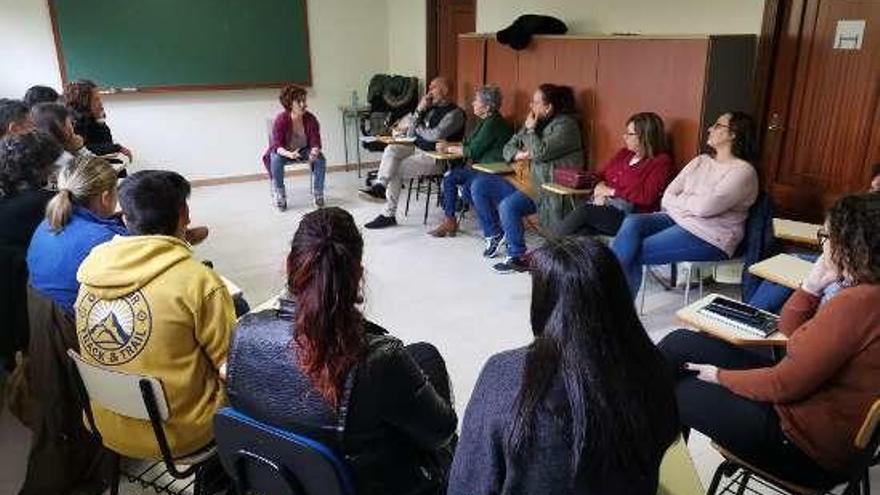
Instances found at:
x=296 y=137
x=632 y=181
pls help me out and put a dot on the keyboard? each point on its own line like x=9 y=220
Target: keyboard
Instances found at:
x=741 y=317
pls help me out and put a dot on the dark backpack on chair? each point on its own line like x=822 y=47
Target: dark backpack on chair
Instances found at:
x=759 y=241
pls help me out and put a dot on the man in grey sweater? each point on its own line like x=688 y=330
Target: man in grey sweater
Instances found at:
x=436 y=118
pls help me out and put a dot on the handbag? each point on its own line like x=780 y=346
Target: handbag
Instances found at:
x=575 y=178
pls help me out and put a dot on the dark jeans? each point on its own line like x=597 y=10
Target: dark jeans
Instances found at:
x=591 y=220
x=771 y=297
x=501 y=209
x=747 y=428
x=655 y=239
x=452 y=180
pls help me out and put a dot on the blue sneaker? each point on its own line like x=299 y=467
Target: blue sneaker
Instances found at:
x=493 y=246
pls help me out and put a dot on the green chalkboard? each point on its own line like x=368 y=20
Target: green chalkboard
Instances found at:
x=182 y=44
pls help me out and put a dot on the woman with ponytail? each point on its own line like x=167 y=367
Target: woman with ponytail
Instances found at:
x=588 y=407
x=316 y=364
x=81 y=215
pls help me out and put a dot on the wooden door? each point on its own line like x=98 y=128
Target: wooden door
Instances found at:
x=446 y=20
x=821 y=134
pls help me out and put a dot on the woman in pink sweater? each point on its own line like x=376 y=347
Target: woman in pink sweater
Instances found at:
x=704 y=208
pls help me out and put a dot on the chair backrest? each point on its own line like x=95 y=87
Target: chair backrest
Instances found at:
x=118 y=391
x=264 y=459
x=869 y=431
x=678 y=476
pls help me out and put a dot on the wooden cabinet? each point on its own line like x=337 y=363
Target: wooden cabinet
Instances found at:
x=688 y=81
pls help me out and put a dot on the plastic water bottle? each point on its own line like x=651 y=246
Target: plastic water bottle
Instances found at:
x=354 y=100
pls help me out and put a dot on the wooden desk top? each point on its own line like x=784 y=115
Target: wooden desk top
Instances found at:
x=800 y=232
x=437 y=155
x=410 y=141
x=565 y=191
x=783 y=269
x=690 y=315
x=498 y=168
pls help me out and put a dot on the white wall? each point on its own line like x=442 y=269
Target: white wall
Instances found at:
x=645 y=16
x=407 y=37
x=212 y=133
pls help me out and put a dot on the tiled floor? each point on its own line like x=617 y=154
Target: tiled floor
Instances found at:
x=418 y=287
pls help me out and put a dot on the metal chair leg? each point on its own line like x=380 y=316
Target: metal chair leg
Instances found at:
x=439 y=190
x=409 y=189
x=644 y=289
x=114 y=481
x=700 y=274
x=427 y=200
x=744 y=483
x=687 y=284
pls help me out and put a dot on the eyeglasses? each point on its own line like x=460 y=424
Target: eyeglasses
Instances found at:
x=822 y=236
x=716 y=125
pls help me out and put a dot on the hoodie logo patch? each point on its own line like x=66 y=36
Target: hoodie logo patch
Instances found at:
x=114 y=331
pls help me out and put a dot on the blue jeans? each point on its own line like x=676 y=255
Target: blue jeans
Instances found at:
x=655 y=239
x=458 y=176
x=771 y=297
x=319 y=168
x=501 y=209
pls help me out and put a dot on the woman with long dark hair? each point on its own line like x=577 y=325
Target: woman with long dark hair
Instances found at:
x=587 y=407
x=797 y=418
x=299 y=366
x=704 y=208
x=549 y=139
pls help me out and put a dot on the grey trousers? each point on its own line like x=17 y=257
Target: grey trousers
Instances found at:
x=401 y=162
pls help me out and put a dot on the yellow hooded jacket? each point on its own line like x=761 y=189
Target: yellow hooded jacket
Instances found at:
x=146 y=306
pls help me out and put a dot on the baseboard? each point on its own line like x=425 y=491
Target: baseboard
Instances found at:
x=237 y=179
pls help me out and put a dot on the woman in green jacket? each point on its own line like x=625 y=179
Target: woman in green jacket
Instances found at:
x=550 y=139
x=485 y=145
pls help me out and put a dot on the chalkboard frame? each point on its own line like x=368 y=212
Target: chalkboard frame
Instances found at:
x=62 y=65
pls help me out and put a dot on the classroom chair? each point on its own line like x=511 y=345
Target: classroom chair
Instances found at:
x=741 y=473
x=142 y=397
x=678 y=475
x=264 y=459
x=423 y=184
x=756 y=244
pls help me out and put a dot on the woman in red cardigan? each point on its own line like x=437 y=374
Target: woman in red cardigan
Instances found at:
x=632 y=181
x=296 y=137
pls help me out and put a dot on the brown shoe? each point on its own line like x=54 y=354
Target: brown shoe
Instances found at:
x=449 y=228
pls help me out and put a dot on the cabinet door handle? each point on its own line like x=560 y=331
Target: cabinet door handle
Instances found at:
x=775 y=123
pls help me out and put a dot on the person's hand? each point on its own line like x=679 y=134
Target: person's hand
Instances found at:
x=522 y=155
x=196 y=235
x=599 y=199
x=222 y=371
x=531 y=121
x=127 y=152
x=602 y=189
x=425 y=103
x=76 y=142
x=705 y=372
x=314 y=153
x=442 y=146
x=821 y=276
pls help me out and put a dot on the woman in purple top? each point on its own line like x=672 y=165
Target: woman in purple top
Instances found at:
x=296 y=137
